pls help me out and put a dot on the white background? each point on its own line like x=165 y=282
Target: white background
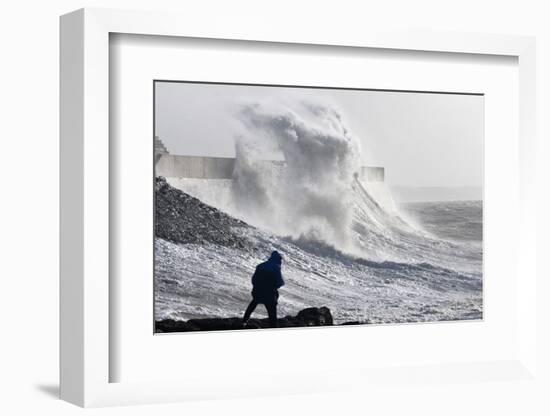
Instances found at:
x=29 y=172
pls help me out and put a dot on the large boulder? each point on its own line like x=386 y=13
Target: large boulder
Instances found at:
x=315 y=316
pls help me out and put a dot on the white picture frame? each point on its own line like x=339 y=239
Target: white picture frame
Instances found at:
x=85 y=219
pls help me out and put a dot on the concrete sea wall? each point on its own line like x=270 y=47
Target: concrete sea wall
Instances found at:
x=200 y=167
x=371 y=174
x=195 y=167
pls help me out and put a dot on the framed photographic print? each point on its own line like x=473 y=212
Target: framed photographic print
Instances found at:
x=368 y=202
x=267 y=191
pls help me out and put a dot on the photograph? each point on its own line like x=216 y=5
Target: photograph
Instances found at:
x=280 y=206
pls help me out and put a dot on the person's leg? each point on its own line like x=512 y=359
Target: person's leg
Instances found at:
x=251 y=306
x=272 y=314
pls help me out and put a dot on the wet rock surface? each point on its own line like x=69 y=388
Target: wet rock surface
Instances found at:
x=183 y=219
x=306 y=317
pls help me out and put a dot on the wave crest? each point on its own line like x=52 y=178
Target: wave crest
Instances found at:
x=312 y=195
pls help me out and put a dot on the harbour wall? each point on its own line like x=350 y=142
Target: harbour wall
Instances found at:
x=201 y=167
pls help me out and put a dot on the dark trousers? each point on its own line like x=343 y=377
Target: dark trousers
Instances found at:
x=271 y=308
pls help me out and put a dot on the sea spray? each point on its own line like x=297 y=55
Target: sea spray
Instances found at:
x=252 y=186
x=311 y=196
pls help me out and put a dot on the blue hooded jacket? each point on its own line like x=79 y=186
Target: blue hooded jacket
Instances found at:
x=267 y=279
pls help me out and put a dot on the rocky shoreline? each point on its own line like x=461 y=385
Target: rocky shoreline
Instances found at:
x=305 y=318
x=183 y=219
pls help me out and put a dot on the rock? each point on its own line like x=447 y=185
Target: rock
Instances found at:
x=315 y=316
x=170 y=325
x=183 y=219
x=365 y=322
x=307 y=317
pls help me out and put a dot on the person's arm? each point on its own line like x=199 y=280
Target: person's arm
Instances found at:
x=254 y=278
x=279 y=282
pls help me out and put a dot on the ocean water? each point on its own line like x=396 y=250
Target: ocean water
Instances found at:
x=432 y=270
x=452 y=220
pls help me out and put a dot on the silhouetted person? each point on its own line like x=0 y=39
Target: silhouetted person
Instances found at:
x=266 y=280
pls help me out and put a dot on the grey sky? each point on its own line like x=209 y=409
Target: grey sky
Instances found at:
x=421 y=140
